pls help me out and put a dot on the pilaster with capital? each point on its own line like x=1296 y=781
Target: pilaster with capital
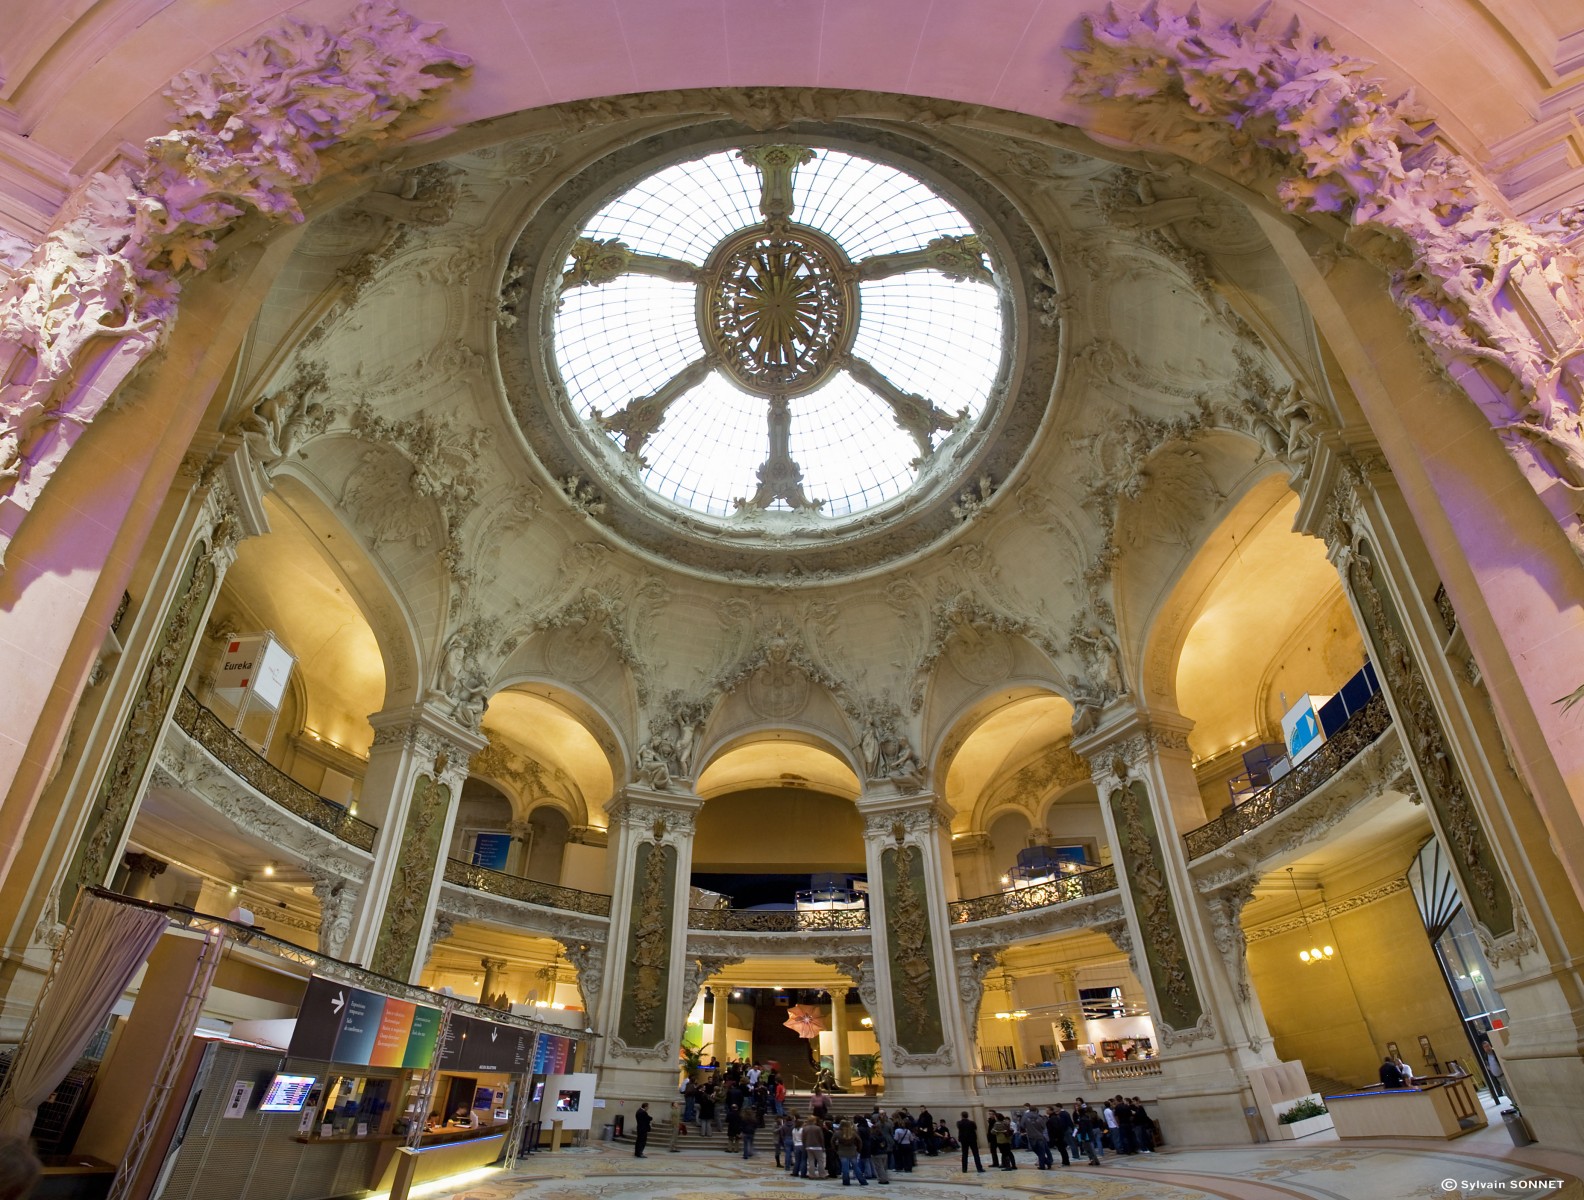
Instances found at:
x=417 y=765
x=143 y=669
x=1210 y=1031
x=1464 y=753
x=640 y=1011
x=925 y=1042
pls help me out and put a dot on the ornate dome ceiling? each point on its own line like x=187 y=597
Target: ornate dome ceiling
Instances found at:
x=813 y=346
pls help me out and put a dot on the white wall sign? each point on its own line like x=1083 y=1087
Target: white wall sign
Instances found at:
x=241 y=1093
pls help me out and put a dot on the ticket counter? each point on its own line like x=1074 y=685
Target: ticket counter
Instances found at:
x=1443 y=1106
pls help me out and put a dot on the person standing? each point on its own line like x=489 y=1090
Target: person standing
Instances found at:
x=706 y=1110
x=1088 y=1124
x=1001 y=1143
x=880 y=1146
x=750 y=1126
x=734 y=1128
x=924 y=1127
x=643 y=1121
x=1037 y=1130
x=1059 y=1125
x=1494 y=1075
x=812 y=1160
x=1143 y=1128
x=1390 y=1076
x=848 y=1144
x=968 y=1139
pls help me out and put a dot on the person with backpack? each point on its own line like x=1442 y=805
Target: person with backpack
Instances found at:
x=1001 y=1142
x=1088 y=1124
x=1060 y=1125
x=881 y=1145
x=811 y=1163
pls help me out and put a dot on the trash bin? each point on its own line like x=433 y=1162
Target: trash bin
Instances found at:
x=1517 y=1127
x=607 y=1132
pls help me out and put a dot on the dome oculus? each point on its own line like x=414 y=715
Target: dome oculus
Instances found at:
x=778 y=329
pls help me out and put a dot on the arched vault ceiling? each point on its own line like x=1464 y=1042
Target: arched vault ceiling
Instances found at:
x=283 y=581
x=999 y=745
x=1272 y=583
x=534 y=728
x=777 y=762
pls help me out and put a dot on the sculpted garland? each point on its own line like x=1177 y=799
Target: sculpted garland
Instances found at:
x=1288 y=113
x=103 y=285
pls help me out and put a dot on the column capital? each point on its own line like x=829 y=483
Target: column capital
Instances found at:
x=666 y=815
x=904 y=817
x=432 y=736
x=494 y=964
x=1127 y=737
x=971 y=843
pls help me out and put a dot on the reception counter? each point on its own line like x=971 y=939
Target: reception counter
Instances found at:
x=1440 y=1106
x=441 y=1154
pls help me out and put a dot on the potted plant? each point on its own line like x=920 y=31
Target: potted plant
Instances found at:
x=864 y=1067
x=692 y=1058
x=1069 y=1034
x=1303 y=1117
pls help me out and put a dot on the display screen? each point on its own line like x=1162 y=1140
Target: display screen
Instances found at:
x=286 y=1093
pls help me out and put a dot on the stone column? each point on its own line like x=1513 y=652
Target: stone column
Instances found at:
x=640 y=1009
x=719 y=1034
x=925 y=1044
x=1207 y=1033
x=142 y=871
x=1499 y=839
x=841 y=1059
x=494 y=980
x=971 y=862
x=337 y=903
x=417 y=766
x=522 y=845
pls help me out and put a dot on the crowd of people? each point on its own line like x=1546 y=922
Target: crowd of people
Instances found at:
x=749 y=1105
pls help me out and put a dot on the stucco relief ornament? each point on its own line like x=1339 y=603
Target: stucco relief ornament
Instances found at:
x=1286 y=113
x=100 y=293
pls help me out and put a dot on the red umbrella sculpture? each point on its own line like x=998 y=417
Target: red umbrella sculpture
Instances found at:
x=805 y=1019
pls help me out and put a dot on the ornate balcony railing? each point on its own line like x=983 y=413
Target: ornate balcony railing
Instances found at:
x=777 y=920
x=529 y=891
x=1045 y=1077
x=1092 y=882
x=1136 y=1069
x=1363 y=729
x=210 y=732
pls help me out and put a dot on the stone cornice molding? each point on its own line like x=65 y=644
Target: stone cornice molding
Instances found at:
x=1333 y=908
x=442 y=747
x=100 y=293
x=904 y=818
x=1125 y=741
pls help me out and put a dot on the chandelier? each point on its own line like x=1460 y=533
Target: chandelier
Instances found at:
x=1315 y=954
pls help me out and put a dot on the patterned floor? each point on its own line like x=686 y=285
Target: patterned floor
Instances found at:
x=1461 y=1170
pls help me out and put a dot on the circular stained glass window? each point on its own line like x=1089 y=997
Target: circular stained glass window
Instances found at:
x=780 y=328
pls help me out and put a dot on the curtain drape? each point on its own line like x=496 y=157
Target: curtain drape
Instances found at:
x=105 y=948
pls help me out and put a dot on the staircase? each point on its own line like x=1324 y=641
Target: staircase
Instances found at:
x=693 y=1142
x=1327 y=1086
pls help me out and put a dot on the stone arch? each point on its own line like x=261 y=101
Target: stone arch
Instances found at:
x=368 y=582
x=970 y=715
x=718 y=745
x=580 y=709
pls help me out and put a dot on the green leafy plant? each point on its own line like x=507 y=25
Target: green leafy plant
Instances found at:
x=1302 y=1111
x=1069 y=1031
x=864 y=1066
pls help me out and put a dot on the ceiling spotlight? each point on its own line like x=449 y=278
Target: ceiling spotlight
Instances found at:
x=269 y=869
x=736 y=995
x=235 y=889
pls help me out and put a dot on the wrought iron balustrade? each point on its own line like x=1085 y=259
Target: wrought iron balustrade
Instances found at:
x=529 y=891
x=215 y=736
x=1060 y=890
x=777 y=920
x=1363 y=729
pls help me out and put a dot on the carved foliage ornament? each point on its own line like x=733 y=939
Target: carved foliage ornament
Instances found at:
x=251 y=131
x=1286 y=112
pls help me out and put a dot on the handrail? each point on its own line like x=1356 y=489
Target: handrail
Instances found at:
x=777 y=920
x=215 y=736
x=529 y=891
x=1128 y=1069
x=1362 y=730
x=1093 y=882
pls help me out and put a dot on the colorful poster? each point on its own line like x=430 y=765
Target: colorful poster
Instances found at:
x=422 y=1038
x=360 y=1024
x=390 y=1040
x=492 y=850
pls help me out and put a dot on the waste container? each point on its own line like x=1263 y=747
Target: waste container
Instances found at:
x=607 y=1132
x=1517 y=1127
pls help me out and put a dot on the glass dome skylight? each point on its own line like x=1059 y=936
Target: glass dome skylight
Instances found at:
x=779 y=328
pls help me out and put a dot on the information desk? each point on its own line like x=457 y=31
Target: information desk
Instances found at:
x=1443 y=1106
x=442 y=1153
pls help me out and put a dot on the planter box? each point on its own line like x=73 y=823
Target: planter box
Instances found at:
x=1302 y=1129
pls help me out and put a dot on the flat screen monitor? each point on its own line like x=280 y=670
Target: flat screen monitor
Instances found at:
x=286 y=1093
x=538 y=1091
